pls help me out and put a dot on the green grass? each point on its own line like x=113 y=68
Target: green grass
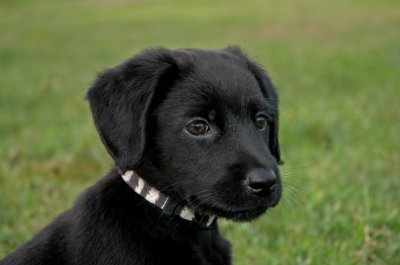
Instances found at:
x=337 y=67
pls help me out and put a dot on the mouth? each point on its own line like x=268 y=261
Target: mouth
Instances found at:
x=232 y=213
x=241 y=215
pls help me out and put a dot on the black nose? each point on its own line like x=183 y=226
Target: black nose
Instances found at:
x=261 y=182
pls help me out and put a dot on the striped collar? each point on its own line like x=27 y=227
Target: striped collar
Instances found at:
x=162 y=201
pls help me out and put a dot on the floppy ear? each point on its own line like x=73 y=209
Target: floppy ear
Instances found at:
x=269 y=92
x=122 y=98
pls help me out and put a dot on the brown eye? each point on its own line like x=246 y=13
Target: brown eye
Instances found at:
x=198 y=127
x=261 y=122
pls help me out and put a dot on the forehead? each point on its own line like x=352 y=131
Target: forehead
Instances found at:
x=220 y=85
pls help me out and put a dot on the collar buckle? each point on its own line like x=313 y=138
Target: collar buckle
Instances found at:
x=172 y=208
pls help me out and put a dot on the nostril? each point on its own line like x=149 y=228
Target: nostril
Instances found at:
x=272 y=188
x=262 y=183
x=257 y=187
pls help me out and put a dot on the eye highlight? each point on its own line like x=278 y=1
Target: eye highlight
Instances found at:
x=261 y=122
x=198 y=127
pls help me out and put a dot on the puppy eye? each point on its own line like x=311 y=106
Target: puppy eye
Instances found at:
x=198 y=127
x=261 y=122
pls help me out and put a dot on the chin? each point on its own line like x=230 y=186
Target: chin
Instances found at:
x=242 y=215
x=238 y=214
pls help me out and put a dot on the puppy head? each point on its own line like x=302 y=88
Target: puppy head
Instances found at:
x=201 y=126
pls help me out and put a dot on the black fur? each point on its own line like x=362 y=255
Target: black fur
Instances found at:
x=142 y=109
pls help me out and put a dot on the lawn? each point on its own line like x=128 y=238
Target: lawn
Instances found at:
x=337 y=67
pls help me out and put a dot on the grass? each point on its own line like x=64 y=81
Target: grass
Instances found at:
x=337 y=68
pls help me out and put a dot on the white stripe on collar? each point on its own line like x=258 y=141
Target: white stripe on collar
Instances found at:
x=155 y=197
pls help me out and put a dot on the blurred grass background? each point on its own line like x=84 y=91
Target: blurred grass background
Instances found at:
x=337 y=67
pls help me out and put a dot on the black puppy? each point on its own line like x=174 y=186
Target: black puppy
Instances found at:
x=194 y=135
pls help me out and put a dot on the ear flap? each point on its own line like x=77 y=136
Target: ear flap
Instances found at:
x=268 y=90
x=122 y=98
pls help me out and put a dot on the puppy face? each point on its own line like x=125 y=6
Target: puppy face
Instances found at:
x=203 y=128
